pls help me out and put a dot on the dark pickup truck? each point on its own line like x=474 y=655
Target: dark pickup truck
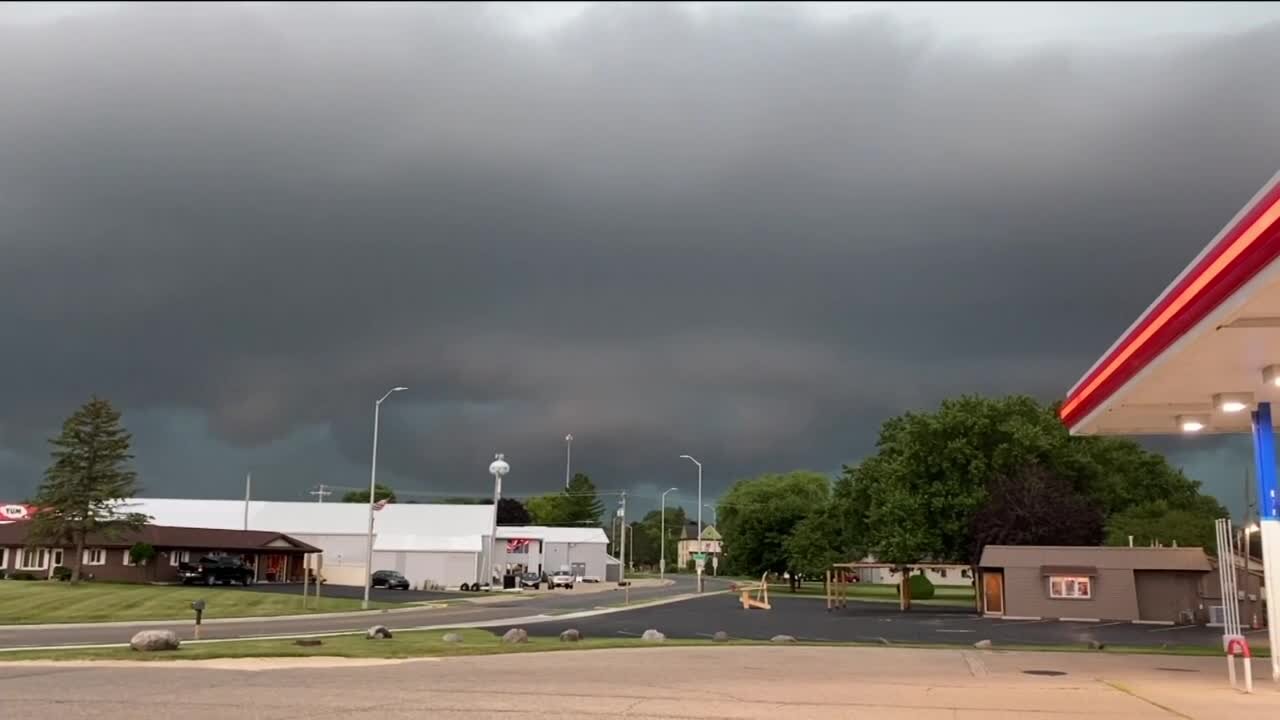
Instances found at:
x=211 y=570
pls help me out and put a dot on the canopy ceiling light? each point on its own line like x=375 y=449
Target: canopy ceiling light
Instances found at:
x=1271 y=375
x=1192 y=423
x=1233 y=402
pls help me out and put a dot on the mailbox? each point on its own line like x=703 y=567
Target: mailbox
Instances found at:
x=197 y=605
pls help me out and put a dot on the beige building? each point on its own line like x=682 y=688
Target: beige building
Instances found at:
x=1161 y=585
x=689 y=544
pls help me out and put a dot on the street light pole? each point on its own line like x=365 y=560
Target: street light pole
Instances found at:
x=712 y=508
x=691 y=459
x=568 y=457
x=662 y=538
x=373 y=480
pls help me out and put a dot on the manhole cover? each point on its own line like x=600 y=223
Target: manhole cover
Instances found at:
x=1177 y=669
x=1044 y=673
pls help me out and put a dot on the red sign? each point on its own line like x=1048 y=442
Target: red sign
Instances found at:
x=14 y=512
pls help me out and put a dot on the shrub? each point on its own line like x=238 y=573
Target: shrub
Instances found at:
x=141 y=553
x=921 y=588
x=62 y=573
x=691 y=566
x=22 y=576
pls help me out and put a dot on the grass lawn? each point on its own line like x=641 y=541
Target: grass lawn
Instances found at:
x=430 y=643
x=26 y=602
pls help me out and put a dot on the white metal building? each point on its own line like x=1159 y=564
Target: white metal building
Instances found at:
x=430 y=544
x=548 y=549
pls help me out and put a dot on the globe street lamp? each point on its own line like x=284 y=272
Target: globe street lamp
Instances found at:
x=373 y=480
x=497 y=469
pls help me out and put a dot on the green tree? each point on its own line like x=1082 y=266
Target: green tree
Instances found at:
x=653 y=525
x=83 y=490
x=582 y=504
x=380 y=492
x=758 y=515
x=1161 y=522
x=548 y=509
x=512 y=512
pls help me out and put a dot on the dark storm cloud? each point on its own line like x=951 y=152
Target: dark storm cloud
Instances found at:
x=746 y=235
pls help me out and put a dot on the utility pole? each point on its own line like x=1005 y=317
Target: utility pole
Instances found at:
x=248 y=484
x=321 y=492
x=622 y=551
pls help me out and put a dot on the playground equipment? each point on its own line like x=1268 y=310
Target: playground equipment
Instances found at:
x=761 y=589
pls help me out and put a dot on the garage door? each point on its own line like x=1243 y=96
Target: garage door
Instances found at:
x=1165 y=596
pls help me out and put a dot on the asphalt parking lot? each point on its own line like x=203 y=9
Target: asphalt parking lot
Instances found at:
x=807 y=619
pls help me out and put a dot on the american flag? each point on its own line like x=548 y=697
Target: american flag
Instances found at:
x=380 y=504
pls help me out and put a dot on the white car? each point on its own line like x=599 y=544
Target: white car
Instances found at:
x=564 y=579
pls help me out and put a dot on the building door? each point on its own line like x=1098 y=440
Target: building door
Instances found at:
x=578 y=569
x=993 y=592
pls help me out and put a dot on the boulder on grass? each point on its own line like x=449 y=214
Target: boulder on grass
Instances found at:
x=720 y=636
x=652 y=635
x=983 y=644
x=378 y=632
x=570 y=635
x=308 y=642
x=154 y=640
x=1095 y=645
x=452 y=638
x=515 y=636
x=782 y=639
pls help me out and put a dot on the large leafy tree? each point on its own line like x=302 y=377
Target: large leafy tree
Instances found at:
x=1032 y=506
x=380 y=492
x=933 y=474
x=1166 y=524
x=84 y=488
x=548 y=509
x=758 y=515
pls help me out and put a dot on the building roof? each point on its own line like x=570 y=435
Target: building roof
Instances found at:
x=1121 y=558
x=311 y=518
x=1211 y=331
x=553 y=534
x=177 y=537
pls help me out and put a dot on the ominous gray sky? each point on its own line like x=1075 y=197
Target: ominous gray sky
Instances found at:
x=749 y=234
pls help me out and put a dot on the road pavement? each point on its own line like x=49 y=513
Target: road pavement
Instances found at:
x=749 y=683
x=518 y=606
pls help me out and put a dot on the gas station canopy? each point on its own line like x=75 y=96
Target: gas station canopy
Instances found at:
x=1206 y=351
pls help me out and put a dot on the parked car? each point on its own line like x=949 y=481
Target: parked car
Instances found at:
x=224 y=569
x=531 y=580
x=389 y=579
x=562 y=578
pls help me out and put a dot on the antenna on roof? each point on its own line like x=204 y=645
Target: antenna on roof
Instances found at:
x=321 y=492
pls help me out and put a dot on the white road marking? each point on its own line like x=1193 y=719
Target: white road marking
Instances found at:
x=955 y=631
x=1173 y=627
x=1117 y=622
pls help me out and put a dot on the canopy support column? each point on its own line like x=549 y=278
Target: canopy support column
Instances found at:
x=1264 y=455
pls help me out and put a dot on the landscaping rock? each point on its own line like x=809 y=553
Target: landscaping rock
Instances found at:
x=983 y=644
x=1095 y=645
x=652 y=635
x=782 y=639
x=570 y=635
x=720 y=636
x=154 y=640
x=884 y=641
x=515 y=636
x=452 y=638
x=378 y=632
x=308 y=642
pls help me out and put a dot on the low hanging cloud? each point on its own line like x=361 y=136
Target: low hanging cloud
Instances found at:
x=746 y=236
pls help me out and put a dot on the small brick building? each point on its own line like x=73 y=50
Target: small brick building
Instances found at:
x=275 y=557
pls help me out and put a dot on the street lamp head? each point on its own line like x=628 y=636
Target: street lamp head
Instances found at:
x=399 y=388
x=672 y=489
x=499 y=467
x=568 y=438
